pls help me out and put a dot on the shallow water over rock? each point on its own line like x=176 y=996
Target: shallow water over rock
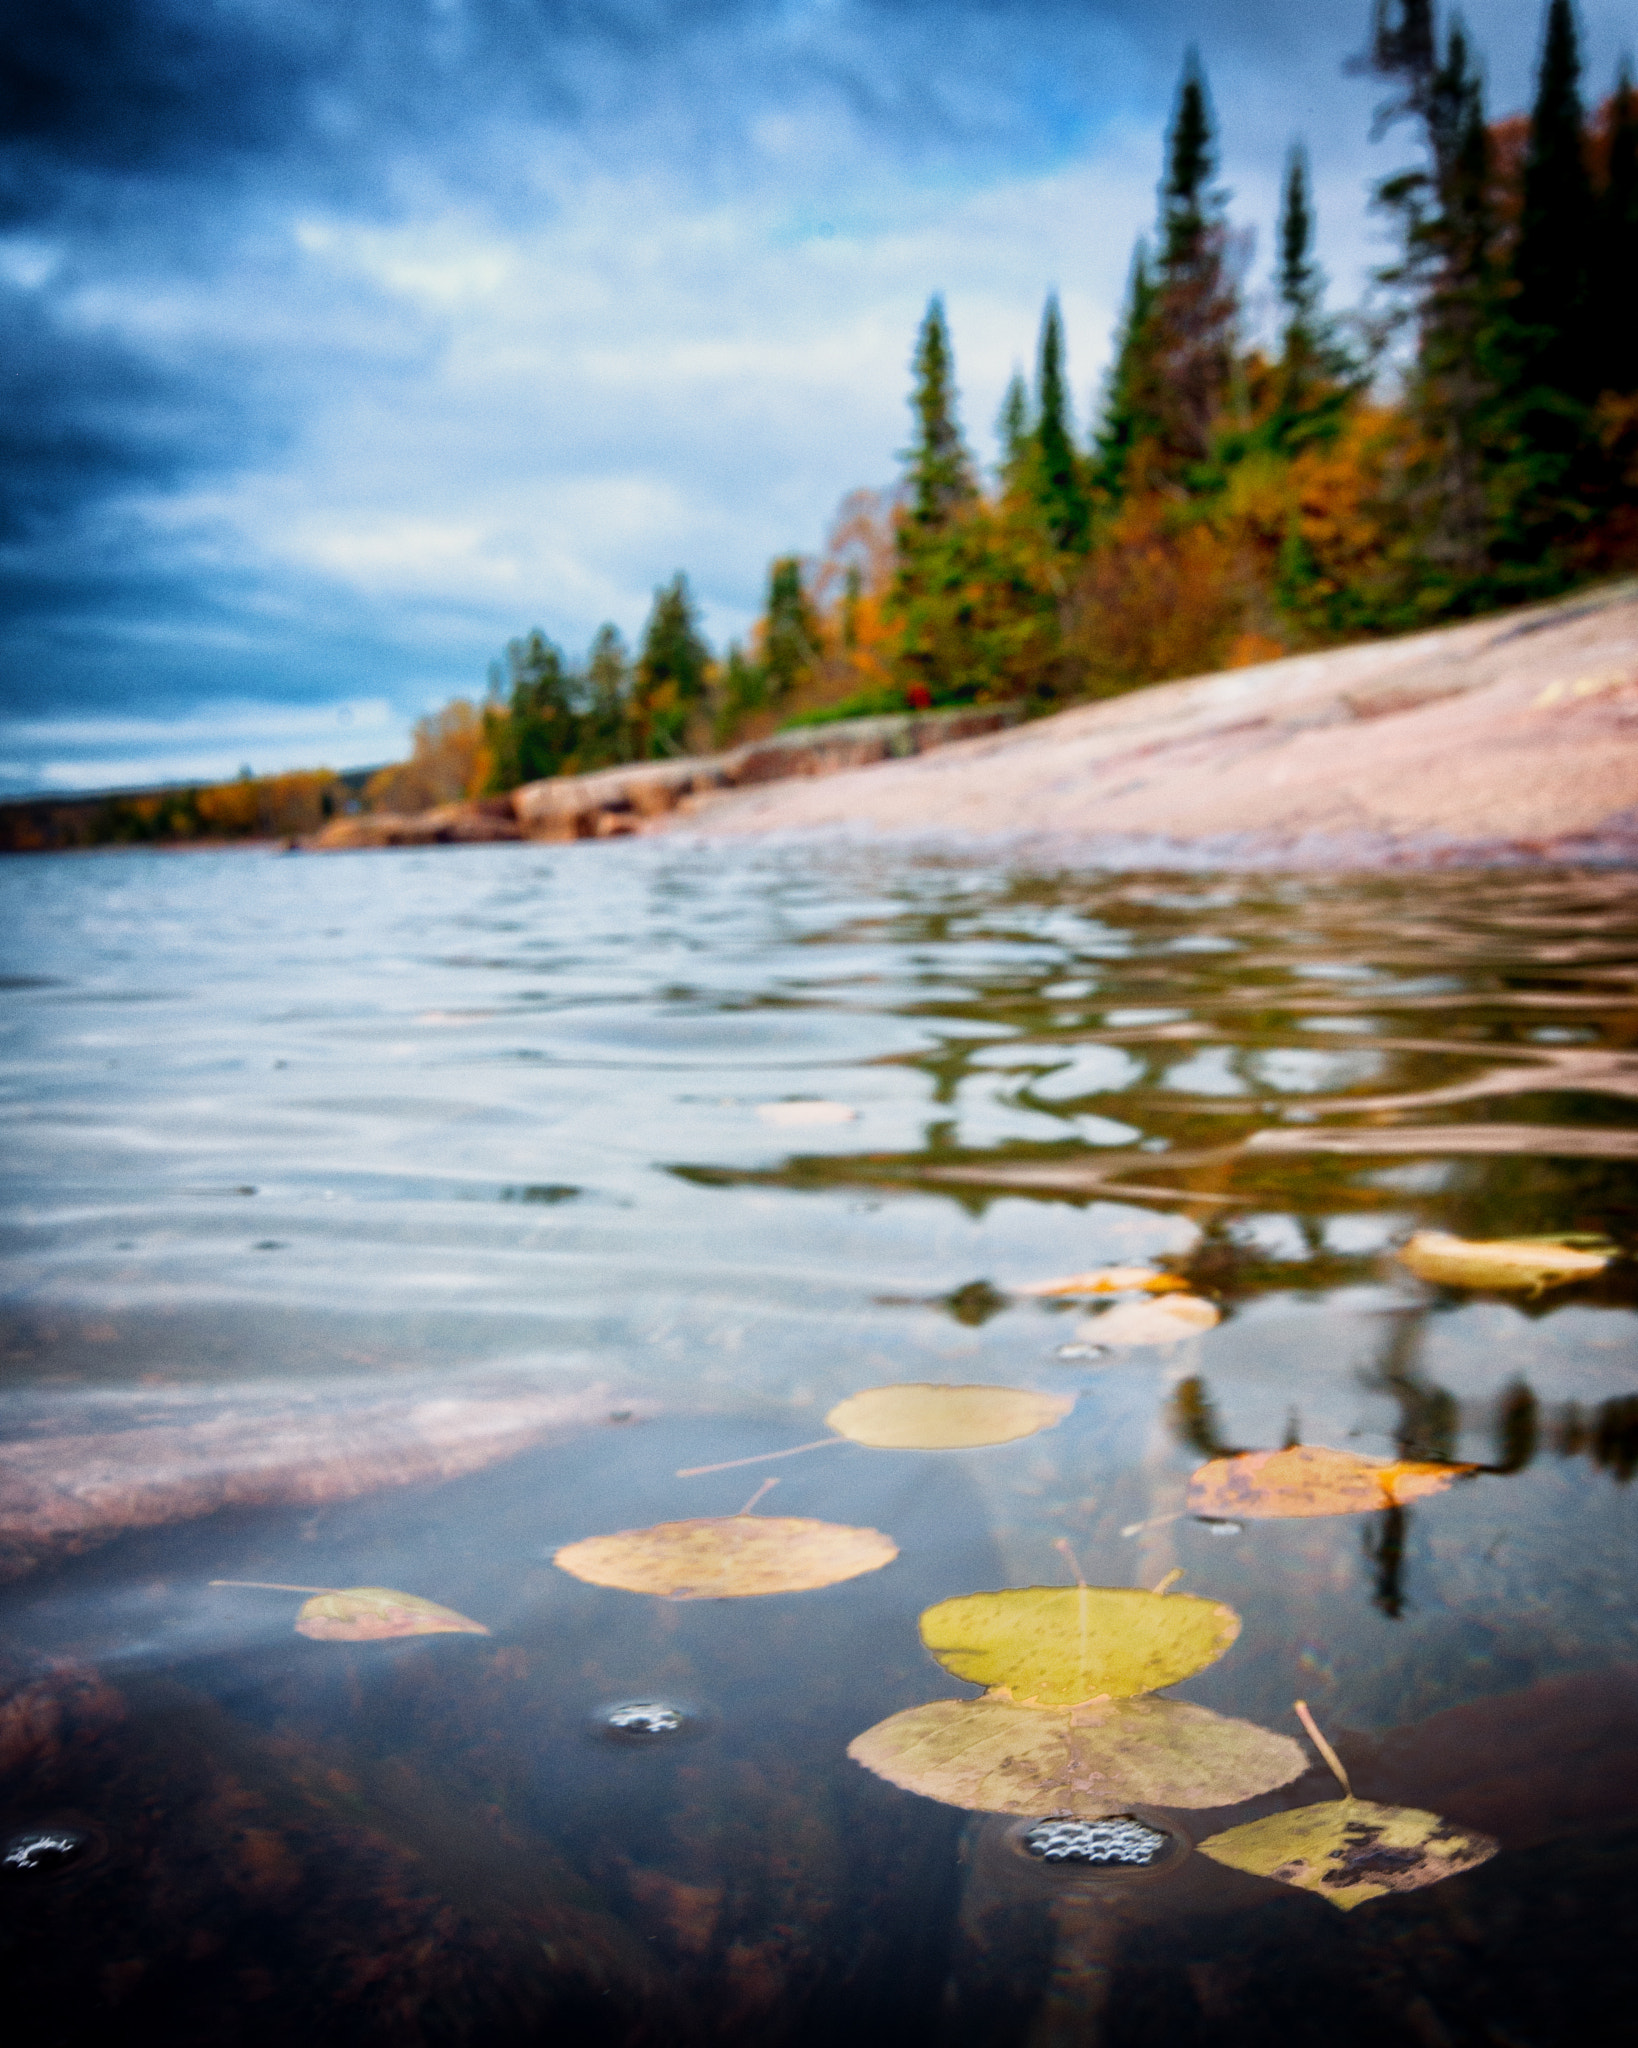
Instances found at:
x=397 y=1220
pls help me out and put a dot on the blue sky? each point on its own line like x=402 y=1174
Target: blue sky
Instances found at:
x=346 y=339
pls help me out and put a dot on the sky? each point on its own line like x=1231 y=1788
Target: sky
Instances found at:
x=342 y=341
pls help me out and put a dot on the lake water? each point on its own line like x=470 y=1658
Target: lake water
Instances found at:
x=395 y=1220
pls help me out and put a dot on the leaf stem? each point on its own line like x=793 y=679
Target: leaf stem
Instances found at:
x=272 y=1586
x=766 y=1487
x=761 y=1458
x=1322 y=1745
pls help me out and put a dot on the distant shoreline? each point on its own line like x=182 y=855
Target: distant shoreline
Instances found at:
x=1509 y=740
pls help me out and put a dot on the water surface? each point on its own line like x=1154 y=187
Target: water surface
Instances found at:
x=302 y=1153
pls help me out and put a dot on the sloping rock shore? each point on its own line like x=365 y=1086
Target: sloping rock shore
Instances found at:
x=615 y=802
x=65 y=1491
x=1514 y=737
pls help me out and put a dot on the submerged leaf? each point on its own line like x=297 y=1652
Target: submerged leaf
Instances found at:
x=936 y=1418
x=1521 y=1264
x=727 y=1557
x=1108 y=1280
x=992 y=1756
x=367 y=1614
x=1166 y=1321
x=1351 y=1850
x=1059 y=1645
x=1308 y=1479
x=788 y=1115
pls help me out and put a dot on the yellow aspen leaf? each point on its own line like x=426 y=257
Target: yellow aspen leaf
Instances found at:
x=928 y=1417
x=1517 y=1264
x=1108 y=1280
x=1309 y=1479
x=993 y=1756
x=1060 y=1645
x=1351 y=1850
x=728 y=1557
x=367 y=1614
x=1165 y=1321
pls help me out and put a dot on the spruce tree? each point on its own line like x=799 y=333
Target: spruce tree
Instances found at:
x=1404 y=50
x=673 y=673
x=1012 y=430
x=790 y=630
x=605 y=720
x=1299 y=288
x=1130 y=420
x=1196 y=308
x=1447 y=284
x=1060 y=492
x=1615 y=278
x=541 y=721
x=1552 y=256
x=941 y=477
x=1457 y=382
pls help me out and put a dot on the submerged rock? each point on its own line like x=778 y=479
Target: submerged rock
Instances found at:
x=66 y=1493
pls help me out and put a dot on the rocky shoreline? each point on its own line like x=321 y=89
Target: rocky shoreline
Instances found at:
x=1509 y=739
x=616 y=802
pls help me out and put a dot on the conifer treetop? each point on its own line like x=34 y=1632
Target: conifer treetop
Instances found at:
x=1188 y=203
x=1551 y=262
x=941 y=478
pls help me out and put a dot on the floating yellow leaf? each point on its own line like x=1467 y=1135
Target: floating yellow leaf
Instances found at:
x=936 y=1418
x=1166 y=1321
x=795 y=1115
x=1058 y=1645
x=728 y=1557
x=1520 y=1264
x=1109 y=1280
x=366 y=1614
x=993 y=1756
x=1351 y=1850
x=1308 y=1479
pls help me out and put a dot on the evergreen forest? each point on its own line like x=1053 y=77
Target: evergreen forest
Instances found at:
x=1465 y=440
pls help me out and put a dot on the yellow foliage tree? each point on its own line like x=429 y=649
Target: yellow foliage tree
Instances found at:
x=449 y=762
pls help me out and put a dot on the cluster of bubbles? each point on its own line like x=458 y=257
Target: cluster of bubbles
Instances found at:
x=645 y=1718
x=1118 y=1838
x=40 y=1852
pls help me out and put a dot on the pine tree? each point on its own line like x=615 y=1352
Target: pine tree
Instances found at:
x=1447 y=285
x=941 y=475
x=1615 y=277
x=790 y=631
x=1012 y=430
x=969 y=618
x=1317 y=376
x=604 y=724
x=1195 y=308
x=1060 y=491
x=1404 y=50
x=1458 y=375
x=673 y=673
x=1552 y=257
x=535 y=733
x=1130 y=418
x=1299 y=288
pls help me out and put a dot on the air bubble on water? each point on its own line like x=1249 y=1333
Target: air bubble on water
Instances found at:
x=1119 y=1839
x=645 y=1718
x=1215 y=1527
x=42 y=1852
x=1071 y=1351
